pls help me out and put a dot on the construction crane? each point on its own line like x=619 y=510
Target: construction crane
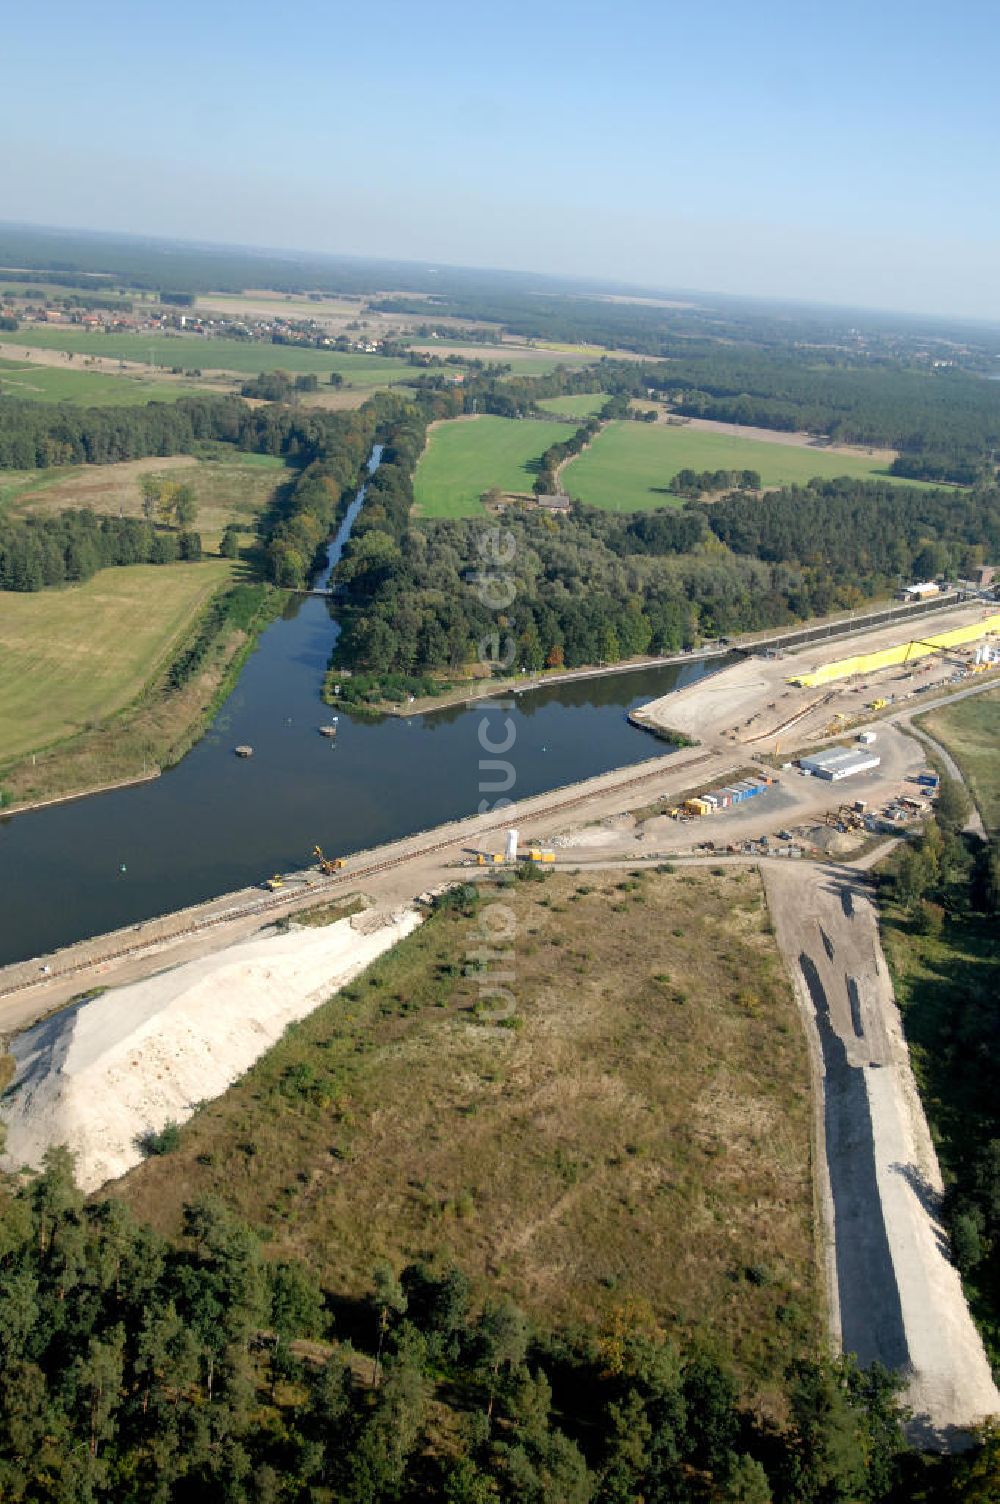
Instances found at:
x=328 y=864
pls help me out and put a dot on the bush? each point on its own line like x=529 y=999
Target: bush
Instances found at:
x=165 y=1142
x=927 y=918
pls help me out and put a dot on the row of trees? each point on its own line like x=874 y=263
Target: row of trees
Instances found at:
x=136 y=1369
x=557 y=454
x=72 y=546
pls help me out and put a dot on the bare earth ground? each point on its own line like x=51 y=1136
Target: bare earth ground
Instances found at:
x=753 y=705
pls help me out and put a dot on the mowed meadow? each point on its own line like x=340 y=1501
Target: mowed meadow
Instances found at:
x=208 y=353
x=466 y=456
x=74 y=656
x=38 y=383
x=629 y=465
x=579 y=405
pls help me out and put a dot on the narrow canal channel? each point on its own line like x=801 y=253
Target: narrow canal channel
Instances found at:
x=215 y=822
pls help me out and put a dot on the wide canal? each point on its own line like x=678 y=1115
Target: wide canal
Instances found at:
x=216 y=822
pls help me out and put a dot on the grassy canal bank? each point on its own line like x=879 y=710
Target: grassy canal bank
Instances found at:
x=157 y=658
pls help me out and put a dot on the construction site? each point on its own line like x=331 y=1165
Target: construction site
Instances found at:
x=751 y=790
x=776 y=702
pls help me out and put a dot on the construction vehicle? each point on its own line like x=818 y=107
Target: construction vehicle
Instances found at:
x=274 y=883
x=879 y=704
x=328 y=864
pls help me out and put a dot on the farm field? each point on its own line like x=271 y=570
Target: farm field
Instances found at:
x=581 y=405
x=629 y=465
x=970 y=730
x=228 y=489
x=73 y=656
x=192 y=351
x=465 y=456
x=38 y=383
x=639 y=1141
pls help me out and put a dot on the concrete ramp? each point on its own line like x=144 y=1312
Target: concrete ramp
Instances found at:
x=894 y=1295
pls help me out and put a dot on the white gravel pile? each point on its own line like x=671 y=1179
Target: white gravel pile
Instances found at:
x=101 y=1075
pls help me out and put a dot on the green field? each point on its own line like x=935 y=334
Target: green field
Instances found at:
x=38 y=383
x=629 y=466
x=465 y=456
x=583 y=405
x=970 y=730
x=194 y=352
x=74 y=656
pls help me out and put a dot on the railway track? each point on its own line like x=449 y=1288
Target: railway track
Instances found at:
x=132 y=947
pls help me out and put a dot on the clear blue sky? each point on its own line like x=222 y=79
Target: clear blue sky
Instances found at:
x=842 y=152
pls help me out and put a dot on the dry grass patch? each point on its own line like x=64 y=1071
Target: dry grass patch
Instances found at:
x=636 y=1139
x=227 y=490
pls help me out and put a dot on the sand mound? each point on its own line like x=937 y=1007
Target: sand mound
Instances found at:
x=102 y=1074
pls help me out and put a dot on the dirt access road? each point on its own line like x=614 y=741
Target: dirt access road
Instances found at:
x=895 y=1297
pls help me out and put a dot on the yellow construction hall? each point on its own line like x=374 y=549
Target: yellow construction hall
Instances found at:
x=903 y=652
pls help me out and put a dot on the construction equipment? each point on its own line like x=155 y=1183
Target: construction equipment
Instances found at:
x=274 y=883
x=328 y=864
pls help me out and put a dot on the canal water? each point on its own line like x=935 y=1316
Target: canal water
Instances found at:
x=216 y=822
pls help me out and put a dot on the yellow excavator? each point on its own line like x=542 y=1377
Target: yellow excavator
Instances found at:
x=328 y=864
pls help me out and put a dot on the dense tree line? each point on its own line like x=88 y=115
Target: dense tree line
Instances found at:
x=136 y=1369
x=948 y=885
x=596 y=586
x=36 y=435
x=74 y=545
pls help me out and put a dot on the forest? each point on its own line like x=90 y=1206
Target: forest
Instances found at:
x=143 y=1371
x=596 y=587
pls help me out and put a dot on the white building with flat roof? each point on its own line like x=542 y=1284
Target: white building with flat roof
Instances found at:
x=840 y=762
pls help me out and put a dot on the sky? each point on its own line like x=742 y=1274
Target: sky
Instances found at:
x=841 y=153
